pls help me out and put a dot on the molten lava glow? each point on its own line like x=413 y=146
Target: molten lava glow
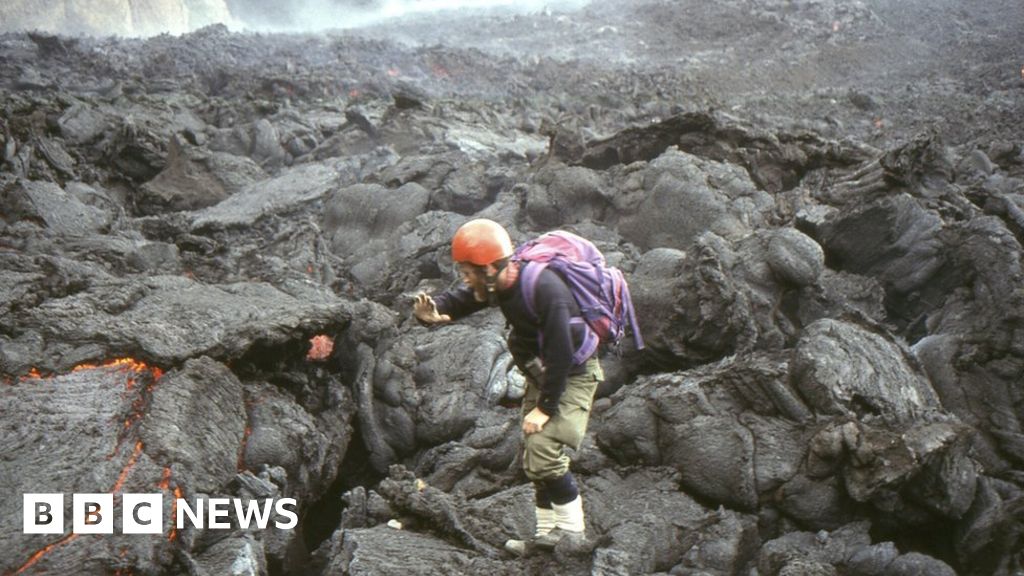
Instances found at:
x=173 y=534
x=320 y=347
x=136 y=368
x=44 y=551
x=123 y=571
x=165 y=484
x=128 y=467
x=165 y=479
x=138 y=408
x=125 y=364
x=393 y=72
x=68 y=538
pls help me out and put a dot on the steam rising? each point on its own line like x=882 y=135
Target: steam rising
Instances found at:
x=317 y=15
x=134 y=18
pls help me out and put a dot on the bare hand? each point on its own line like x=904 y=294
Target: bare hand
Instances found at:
x=425 y=309
x=535 y=421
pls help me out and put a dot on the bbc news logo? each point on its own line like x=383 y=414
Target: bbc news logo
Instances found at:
x=143 y=513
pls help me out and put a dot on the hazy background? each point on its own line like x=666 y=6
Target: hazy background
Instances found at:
x=151 y=17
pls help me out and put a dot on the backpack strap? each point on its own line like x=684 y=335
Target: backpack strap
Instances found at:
x=627 y=301
x=529 y=275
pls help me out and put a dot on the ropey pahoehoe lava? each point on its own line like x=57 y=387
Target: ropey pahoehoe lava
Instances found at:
x=212 y=227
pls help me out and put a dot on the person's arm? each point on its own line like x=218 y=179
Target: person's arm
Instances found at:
x=446 y=306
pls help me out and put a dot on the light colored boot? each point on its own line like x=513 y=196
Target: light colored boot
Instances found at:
x=546 y=522
x=568 y=524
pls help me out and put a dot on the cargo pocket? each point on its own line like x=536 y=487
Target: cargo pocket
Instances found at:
x=574 y=409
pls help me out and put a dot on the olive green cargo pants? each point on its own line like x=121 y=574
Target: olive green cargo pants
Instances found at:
x=543 y=454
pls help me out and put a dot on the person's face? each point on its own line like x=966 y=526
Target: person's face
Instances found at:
x=476 y=278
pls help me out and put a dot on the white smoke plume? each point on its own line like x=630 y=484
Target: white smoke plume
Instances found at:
x=319 y=15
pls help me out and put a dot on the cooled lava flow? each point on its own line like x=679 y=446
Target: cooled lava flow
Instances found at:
x=136 y=372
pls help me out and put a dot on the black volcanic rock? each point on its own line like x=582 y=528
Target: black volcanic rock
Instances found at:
x=819 y=212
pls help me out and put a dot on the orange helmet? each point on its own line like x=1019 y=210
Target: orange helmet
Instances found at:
x=481 y=242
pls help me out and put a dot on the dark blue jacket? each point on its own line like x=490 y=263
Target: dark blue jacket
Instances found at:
x=551 y=337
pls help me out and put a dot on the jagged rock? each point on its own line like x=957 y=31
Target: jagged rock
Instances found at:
x=439 y=510
x=289 y=191
x=796 y=258
x=155 y=258
x=817 y=504
x=486 y=145
x=689 y=421
x=563 y=195
x=840 y=293
x=361 y=222
x=233 y=555
x=471 y=188
x=873 y=560
x=283 y=434
x=820 y=552
x=754 y=186
x=905 y=262
x=923 y=165
x=989 y=535
x=191 y=181
x=641 y=541
x=916 y=564
x=840 y=368
x=679 y=196
x=197 y=420
x=50 y=206
x=83 y=124
x=431 y=171
x=57 y=157
x=643 y=144
x=428 y=387
x=880 y=459
x=477 y=463
x=385 y=551
x=720 y=297
x=178 y=312
x=84 y=438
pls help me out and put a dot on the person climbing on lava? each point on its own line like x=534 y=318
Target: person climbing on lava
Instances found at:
x=552 y=345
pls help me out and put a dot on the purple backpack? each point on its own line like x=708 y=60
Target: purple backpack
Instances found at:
x=600 y=290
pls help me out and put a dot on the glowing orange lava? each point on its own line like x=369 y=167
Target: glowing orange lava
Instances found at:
x=173 y=534
x=69 y=537
x=44 y=551
x=126 y=364
x=138 y=406
x=165 y=484
x=33 y=374
x=320 y=347
x=128 y=467
x=165 y=479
